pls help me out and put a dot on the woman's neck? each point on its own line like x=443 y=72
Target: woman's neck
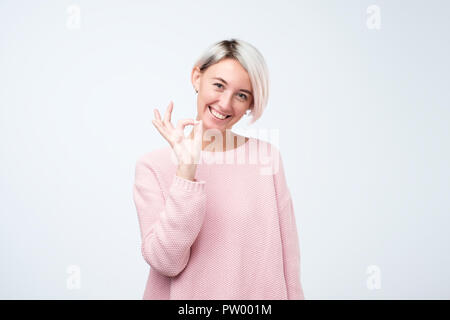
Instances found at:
x=226 y=136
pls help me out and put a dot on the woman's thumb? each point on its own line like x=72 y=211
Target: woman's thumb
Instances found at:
x=198 y=129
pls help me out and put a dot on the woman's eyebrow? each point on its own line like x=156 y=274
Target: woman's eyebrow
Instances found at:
x=220 y=79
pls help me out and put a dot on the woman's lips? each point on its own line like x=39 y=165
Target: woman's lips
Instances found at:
x=209 y=107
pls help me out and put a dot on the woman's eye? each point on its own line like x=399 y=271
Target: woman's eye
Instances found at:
x=240 y=95
x=243 y=96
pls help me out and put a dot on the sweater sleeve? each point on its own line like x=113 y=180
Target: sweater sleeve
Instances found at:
x=289 y=235
x=291 y=252
x=168 y=226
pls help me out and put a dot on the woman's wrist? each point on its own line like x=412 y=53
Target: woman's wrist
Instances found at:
x=187 y=172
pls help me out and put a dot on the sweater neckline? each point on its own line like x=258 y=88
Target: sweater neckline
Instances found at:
x=228 y=151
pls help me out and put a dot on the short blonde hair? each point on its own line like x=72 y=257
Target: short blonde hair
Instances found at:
x=251 y=60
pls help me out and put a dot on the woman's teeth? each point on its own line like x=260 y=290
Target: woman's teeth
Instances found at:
x=217 y=115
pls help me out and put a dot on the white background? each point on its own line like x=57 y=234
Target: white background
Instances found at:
x=363 y=116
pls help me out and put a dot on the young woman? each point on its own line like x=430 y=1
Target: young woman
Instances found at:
x=224 y=229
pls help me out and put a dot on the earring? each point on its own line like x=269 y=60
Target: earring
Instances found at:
x=196 y=91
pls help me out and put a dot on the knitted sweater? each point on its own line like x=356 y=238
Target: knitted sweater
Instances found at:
x=229 y=235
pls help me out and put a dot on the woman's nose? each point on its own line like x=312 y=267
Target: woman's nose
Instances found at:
x=225 y=101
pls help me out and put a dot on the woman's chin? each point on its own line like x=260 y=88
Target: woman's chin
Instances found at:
x=214 y=126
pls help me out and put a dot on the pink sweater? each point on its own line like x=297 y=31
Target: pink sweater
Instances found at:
x=229 y=235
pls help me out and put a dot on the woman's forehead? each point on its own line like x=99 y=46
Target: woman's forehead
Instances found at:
x=230 y=72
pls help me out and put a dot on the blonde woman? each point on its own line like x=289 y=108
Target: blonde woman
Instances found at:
x=218 y=229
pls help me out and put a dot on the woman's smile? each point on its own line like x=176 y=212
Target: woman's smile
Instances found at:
x=217 y=115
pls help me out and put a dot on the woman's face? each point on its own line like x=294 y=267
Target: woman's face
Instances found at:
x=224 y=87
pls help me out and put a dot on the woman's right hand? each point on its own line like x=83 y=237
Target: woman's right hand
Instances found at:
x=186 y=150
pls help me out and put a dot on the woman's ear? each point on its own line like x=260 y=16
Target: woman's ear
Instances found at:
x=251 y=105
x=195 y=77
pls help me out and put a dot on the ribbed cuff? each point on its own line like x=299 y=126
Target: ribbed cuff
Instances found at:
x=188 y=185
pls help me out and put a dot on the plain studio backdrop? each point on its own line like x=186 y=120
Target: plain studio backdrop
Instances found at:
x=358 y=91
